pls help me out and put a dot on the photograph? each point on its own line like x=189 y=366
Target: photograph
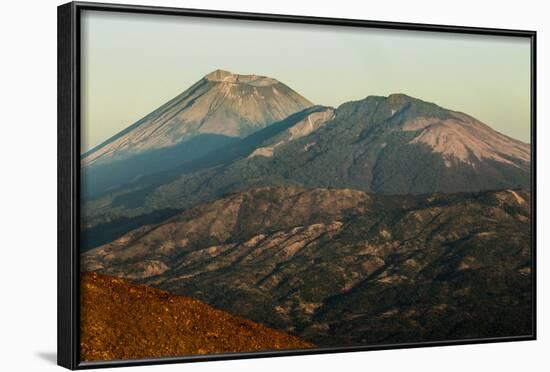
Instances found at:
x=250 y=186
x=275 y=186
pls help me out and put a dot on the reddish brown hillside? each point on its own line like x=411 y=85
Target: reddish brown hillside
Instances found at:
x=120 y=320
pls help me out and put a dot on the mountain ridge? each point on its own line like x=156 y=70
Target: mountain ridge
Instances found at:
x=391 y=145
x=448 y=262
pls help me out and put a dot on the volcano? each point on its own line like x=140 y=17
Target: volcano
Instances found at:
x=212 y=113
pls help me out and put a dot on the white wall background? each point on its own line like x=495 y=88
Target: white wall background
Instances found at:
x=28 y=184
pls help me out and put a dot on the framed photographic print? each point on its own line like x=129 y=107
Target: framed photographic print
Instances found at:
x=236 y=185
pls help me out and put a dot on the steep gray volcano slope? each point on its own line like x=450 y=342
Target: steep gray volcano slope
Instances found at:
x=210 y=114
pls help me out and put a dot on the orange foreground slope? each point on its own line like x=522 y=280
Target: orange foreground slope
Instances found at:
x=120 y=320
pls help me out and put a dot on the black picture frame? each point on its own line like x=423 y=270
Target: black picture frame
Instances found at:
x=69 y=172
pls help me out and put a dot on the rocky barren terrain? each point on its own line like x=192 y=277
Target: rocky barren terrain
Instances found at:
x=339 y=267
x=120 y=320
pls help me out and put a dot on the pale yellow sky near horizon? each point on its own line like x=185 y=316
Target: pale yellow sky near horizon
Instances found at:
x=133 y=63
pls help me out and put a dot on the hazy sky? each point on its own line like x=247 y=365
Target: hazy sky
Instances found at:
x=131 y=64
